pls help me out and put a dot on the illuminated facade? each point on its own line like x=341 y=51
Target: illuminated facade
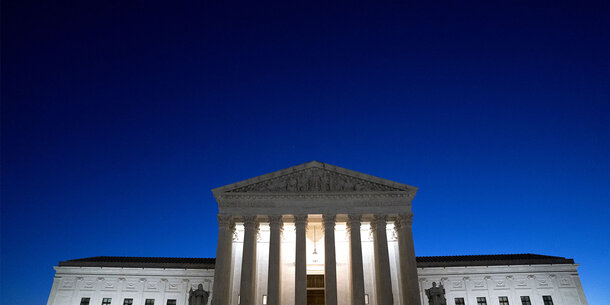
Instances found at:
x=318 y=234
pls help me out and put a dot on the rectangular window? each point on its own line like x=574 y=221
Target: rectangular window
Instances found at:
x=106 y=301
x=481 y=301
x=503 y=300
x=171 y=302
x=85 y=301
x=149 y=302
x=459 y=301
x=128 y=302
x=525 y=300
x=547 y=300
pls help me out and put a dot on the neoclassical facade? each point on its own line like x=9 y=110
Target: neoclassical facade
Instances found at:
x=318 y=234
x=340 y=205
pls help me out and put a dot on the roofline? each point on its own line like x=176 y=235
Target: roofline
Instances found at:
x=422 y=261
x=313 y=164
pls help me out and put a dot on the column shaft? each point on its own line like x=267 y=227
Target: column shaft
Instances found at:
x=355 y=242
x=330 y=261
x=300 y=280
x=273 y=285
x=408 y=264
x=247 y=285
x=383 y=279
x=221 y=292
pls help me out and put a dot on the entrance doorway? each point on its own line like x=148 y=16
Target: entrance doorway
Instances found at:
x=315 y=289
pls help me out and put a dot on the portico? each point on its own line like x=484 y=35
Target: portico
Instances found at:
x=318 y=220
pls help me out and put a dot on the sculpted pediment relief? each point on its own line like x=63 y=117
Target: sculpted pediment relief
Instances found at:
x=314 y=177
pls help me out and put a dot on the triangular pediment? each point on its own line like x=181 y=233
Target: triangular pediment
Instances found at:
x=314 y=177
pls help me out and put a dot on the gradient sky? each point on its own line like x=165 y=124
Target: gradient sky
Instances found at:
x=119 y=117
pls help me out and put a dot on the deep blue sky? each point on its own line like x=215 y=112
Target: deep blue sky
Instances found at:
x=119 y=117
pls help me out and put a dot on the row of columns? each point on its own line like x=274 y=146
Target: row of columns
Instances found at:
x=408 y=267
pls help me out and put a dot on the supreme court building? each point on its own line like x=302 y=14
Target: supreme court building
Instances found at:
x=317 y=234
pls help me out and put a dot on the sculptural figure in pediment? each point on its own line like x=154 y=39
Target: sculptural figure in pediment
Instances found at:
x=314 y=180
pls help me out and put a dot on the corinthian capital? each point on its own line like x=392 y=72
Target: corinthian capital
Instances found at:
x=353 y=220
x=378 y=222
x=275 y=220
x=251 y=222
x=225 y=220
x=404 y=220
x=329 y=219
x=300 y=220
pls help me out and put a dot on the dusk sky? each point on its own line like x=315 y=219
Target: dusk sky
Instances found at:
x=119 y=117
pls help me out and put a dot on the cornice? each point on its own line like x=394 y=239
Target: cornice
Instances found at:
x=306 y=196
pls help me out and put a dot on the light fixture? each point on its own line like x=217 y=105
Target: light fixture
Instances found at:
x=238 y=299
x=264 y=299
x=366 y=298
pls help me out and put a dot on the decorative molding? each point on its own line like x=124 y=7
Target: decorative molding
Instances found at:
x=378 y=221
x=275 y=220
x=300 y=220
x=314 y=177
x=404 y=221
x=225 y=221
x=226 y=198
x=353 y=220
x=250 y=222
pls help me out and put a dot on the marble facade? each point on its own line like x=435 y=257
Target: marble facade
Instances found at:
x=315 y=219
x=314 y=195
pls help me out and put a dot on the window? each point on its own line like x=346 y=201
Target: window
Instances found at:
x=547 y=300
x=128 y=302
x=149 y=302
x=459 y=301
x=85 y=301
x=525 y=300
x=171 y=302
x=106 y=301
x=481 y=301
x=503 y=300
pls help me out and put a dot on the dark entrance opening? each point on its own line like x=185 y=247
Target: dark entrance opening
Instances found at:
x=315 y=289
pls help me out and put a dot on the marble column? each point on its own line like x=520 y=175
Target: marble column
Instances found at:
x=221 y=291
x=300 y=279
x=408 y=264
x=330 y=261
x=247 y=287
x=383 y=279
x=273 y=285
x=355 y=243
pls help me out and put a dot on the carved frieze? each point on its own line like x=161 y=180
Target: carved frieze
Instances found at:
x=109 y=285
x=314 y=180
x=67 y=284
x=152 y=286
x=88 y=284
x=130 y=285
x=173 y=286
x=457 y=285
x=564 y=281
